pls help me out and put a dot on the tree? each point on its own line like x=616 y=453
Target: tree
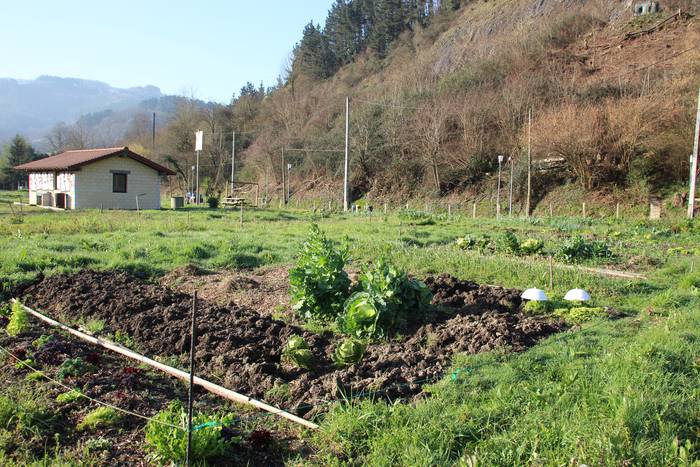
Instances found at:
x=19 y=151
x=312 y=55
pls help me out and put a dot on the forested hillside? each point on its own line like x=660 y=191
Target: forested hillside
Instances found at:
x=439 y=89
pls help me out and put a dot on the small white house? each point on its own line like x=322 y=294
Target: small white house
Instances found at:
x=109 y=178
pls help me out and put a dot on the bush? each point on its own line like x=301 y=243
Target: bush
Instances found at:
x=318 y=283
x=101 y=417
x=213 y=202
x=386 y=302
x=19 y=320
x=508 y=243
x=169 y=445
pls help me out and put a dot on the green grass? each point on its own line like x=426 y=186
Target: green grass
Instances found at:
x=621 y=392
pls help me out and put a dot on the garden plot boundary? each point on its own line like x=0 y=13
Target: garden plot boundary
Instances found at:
x=182 y=375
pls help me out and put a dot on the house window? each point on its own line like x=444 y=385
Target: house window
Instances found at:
x=118 y=183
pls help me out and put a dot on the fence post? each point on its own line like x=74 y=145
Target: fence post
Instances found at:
x=474 y=210
x=449 y=210
x=551 y=210
x=617 y=211
x=241 y=220
x=584 y=209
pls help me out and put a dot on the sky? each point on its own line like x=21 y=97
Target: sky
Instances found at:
x=206 y=49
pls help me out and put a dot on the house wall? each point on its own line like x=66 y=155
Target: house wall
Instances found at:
x=53 y=183
x=93 y=185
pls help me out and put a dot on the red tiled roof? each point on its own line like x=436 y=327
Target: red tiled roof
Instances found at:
x=71 y=160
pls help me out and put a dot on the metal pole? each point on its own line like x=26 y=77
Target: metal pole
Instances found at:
x=233 y=160
x=193 y=330
x=694 y=165
x=510 y=194
x=197 y=178
x=346 y=188
x=529 y=162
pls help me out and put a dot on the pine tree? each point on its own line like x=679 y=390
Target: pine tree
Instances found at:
x=16 y=153
x=312 y=55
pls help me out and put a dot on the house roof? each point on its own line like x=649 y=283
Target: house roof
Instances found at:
x=71 y=160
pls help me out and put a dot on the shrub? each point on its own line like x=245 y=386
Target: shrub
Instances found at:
x=386 y=302
x=349 y=352
x=169 y=445
x=298 y=353
x=579 y=314
x=213 y=202
x=318 y=283
x=19 y=320
x=101 y=417
x=42 y=340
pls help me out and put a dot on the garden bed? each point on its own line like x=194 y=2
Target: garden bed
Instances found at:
x=241 y=348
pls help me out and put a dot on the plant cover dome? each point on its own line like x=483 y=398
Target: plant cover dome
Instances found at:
x=535 y=295
x=578 y=295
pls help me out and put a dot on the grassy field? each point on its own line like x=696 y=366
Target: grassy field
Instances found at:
x=607 y=392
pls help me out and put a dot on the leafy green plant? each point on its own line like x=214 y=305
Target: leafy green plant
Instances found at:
x=349 y=352
x=94 y=445
x=387 y=301
x=42 y=340
x=531 y=246
x=297 y=352
x=578 y=249
x=70 y=396
x=19 y=320
x=34 y=376
x=101 y=417
x=74 y=367
x=508 y=243
x=95 y=326
x=580 y=314
x=318 y=283
x=169 y=444
x=465 y=243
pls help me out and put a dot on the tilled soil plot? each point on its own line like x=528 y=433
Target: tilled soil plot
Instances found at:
x=242 y=350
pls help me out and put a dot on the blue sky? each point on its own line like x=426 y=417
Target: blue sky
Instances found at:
x=207 y=48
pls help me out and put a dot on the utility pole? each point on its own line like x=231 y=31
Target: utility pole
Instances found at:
x=233 y=160
x=529 y=162
x=510 y=194
x=694 y=165
x=346 y=188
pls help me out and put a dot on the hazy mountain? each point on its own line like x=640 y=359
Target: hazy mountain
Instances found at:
x=33 y=107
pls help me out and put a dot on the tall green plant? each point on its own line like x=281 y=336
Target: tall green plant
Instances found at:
x=318 y=284
x=387 y=301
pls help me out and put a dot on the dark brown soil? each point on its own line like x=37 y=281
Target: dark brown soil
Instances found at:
x=118 y=381
x=241 y=349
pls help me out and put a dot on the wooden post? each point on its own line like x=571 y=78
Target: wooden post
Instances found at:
x=284 y=177
x=241 y=220
x=474 y=210
x=583 y=209
x=617 y=211
x=551 y=210
x=385 y=208
x=449 y=211
x=190 y=398
x=529 y=163
x=551 y=273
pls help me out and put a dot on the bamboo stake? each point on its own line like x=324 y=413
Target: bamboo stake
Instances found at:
x=179 y=374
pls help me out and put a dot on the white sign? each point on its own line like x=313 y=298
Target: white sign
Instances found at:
x=199 y=140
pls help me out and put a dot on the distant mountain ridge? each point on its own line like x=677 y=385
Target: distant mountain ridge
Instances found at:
x=33 y=107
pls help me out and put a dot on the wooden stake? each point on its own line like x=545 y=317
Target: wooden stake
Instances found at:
x=474 y=210
x=449 y=210
x=241 y=220
x=584 y=209
x=551 y=273
x=179 y=374
x=617 y=211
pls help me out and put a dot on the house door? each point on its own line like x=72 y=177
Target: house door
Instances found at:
x=61 y=200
